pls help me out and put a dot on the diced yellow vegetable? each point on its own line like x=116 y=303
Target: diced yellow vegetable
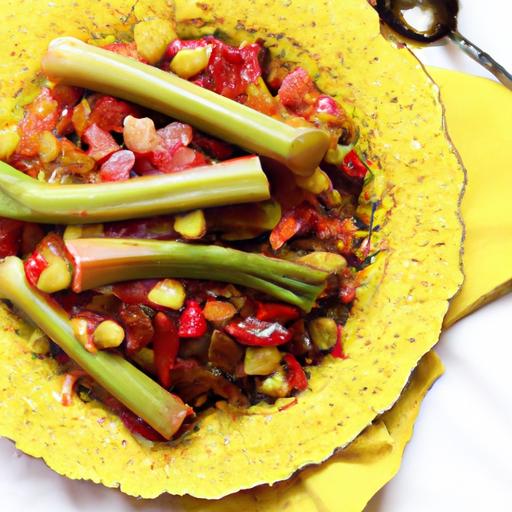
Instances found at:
x=39 y=342
x=108 y=334
x=57 y=276
x=168 y=293
x=49 y=147
x=323 y=332
x=152 y=38
x=261 y=360
x=145 y=358
x=75 y=231
x=9 y=139
x=276 y=385
x=191 y=225
x=317 y=183
x=328 y=261
x=189 y=62
x=218 y=311
x=80 y=327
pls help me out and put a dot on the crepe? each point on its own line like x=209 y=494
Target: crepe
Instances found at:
x=399 y=308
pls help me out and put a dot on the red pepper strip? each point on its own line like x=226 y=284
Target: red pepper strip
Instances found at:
x=337 y=351
x=275 y=312
x=353 y=166
x=295 y=374
x=166 y=345
x=68 y=386
x=258 y=333
x=192 y=321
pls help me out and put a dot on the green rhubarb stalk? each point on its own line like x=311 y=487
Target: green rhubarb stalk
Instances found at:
x=240 y=180
x=161 y=409
x=103 y=261
x=74 y=62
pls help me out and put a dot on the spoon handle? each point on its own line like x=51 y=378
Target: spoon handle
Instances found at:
x=482 y=58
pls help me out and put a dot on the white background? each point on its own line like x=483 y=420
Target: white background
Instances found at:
x=460 y=456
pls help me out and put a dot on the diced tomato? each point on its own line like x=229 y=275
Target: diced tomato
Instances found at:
x=66 y=95
x=166 y=344
x=31 y=235
x=137 y=326
x=118 y=166
x=134 y=292
x=192 y=322
x=353 y=166
x=10 y=236
x=154 y=228
x=276 y=312
x=337 y=351
x=295 y=374
x=101 y=143
x=254 y=332
x=41 y=115
x=109 y=113
x=295 y=87
x=218 y=149
x=230 y=70
x=297 y=221
x=125 y=49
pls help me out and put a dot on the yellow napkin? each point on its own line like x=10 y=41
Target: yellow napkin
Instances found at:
x=478 y=116
x=478 y=113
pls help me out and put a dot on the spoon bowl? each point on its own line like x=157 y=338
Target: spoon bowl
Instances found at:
x=428 y=21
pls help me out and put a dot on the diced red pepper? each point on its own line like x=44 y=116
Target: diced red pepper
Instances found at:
x=294 y=373
x=10 y=236
x=353 y=166
x=276 y=312
x=118 y=166
x=34 y=266
x=192 y=321
x=109 y=113
x=337 y=351
x=134 y=292
x=37 y=262
x=258 y=333
x=166 y=344
x=101 y=143
x=295 y=87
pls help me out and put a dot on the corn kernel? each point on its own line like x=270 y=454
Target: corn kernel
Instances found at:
x=152 y=38
x=261 y=360
x=317 y=183
x=323 y=332
x=189 y=62
x=39 y=342
x=275 y=385
x=49 y=147
x=9 y=139
x=191 y=225
x=57 y=276
x=108 y=334
x=168 y=293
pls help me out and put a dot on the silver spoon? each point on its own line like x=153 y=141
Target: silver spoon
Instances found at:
x=433 y=20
